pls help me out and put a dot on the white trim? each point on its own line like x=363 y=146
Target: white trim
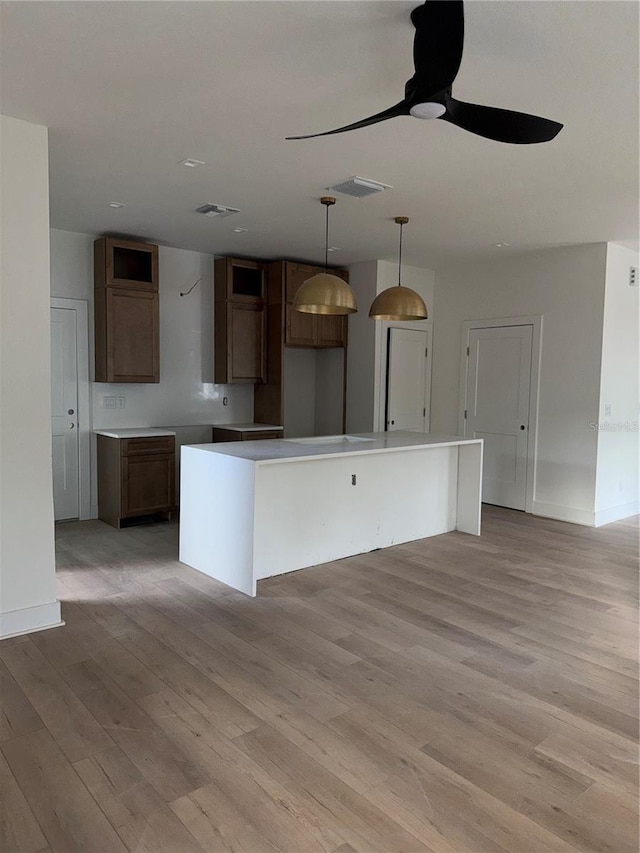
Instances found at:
x=572 y=514
x=14 y=623
x=380 y=387
x=534 y=320
x=81 y=308
x=616 y=513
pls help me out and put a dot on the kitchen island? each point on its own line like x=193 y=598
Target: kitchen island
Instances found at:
x=251 y=510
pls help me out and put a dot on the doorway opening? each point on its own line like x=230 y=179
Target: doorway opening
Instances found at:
x=499 y=403
x=70 y=412
x=405 y=376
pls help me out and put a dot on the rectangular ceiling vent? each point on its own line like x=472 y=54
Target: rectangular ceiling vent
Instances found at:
x=359 y=187
x=218 y=210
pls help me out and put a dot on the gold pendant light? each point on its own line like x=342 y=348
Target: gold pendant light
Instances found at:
x=398 y=302
x=325 y=293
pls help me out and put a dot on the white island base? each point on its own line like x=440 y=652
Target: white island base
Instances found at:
x=269 y=507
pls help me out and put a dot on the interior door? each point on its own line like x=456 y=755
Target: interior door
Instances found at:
x=497 y=409
x=407 y=356
x=64 y=413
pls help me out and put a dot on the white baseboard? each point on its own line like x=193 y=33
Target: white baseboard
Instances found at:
x=565 y=513
x=616 y=513
x=14 y=623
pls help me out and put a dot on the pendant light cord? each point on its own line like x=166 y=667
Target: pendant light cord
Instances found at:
x=326 y=241
x=400 y=255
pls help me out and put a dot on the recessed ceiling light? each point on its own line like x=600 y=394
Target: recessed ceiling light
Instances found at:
x=191 y=162
x=116 y=204
x=239 y=230
x=502 y=245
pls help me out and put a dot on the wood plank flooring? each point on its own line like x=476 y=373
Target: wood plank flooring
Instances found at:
x=453 y=695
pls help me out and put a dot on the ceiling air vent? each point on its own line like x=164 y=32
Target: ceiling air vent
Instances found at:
x=218 y=210
x=359 y=187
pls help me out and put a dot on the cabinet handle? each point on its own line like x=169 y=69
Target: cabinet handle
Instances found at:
x=71 y=426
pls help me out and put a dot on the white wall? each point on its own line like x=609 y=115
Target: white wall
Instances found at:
x=617 y=436
x=363 y=279
x=186 y=398
x=299 y=384
x=186 y=393
x=27 y=561
x=566 y=286
x=367 y=339
x=313 y=391
x=329 y=391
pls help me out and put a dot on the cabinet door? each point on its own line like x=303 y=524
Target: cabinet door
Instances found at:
x=245 y=280
x=245 y=343
x=132 y=320
x=300 y=329
x=130 y=264
x=147 y=484
x=332 y=330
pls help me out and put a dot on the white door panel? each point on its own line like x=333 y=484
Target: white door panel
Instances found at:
x=407 y=402
x=497 y=408
x=64 y=413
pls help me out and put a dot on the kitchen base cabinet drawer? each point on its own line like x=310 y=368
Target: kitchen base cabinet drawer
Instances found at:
x=144 y=446
x=136 y=479
x=221 y=434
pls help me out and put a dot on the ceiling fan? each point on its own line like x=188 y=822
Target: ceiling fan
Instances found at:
x=437 y=51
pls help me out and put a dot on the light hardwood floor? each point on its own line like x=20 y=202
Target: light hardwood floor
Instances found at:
x=454 y=695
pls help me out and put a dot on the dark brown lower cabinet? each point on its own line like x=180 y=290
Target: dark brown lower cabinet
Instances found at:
x=136 y=477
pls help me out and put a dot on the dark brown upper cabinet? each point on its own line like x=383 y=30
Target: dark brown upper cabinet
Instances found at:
x=128 y=264
x=310 y=330
x=127 y=311
x=240 y=318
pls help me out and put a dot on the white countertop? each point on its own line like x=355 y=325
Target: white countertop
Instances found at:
x=135 y=432
x=288 y=449
x=249 y=427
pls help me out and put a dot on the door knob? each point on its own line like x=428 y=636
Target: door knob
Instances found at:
x=522 y=426
x=70 y=412
x=71 y=426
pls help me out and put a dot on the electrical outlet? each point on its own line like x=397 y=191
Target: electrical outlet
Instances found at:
x=109 y=403
x=121 y=402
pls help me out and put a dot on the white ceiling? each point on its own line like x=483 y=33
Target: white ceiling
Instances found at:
x=128 y=89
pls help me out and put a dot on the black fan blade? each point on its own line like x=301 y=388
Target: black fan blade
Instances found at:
x=437 y=45
x=400 y=109
x=500 y=125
